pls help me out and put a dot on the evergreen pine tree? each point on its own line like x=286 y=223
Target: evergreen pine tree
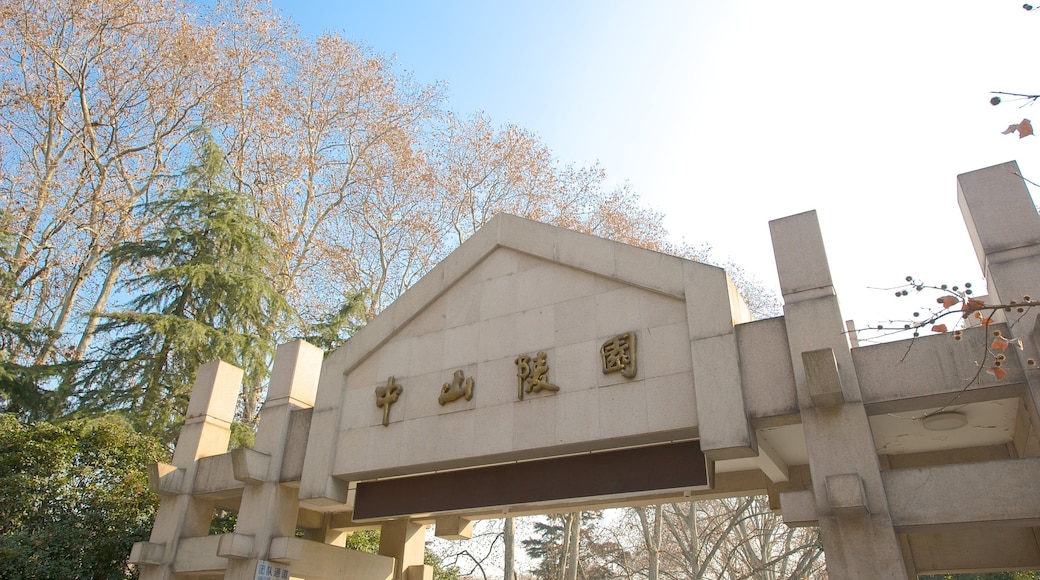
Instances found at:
x=205 y=292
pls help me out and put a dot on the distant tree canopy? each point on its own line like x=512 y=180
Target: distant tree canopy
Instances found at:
x=358 y=179
x=184 y=181
x=75 y=497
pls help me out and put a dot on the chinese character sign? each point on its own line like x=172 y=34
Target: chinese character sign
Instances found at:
x=532 y=375
x=619 y=355
x=386 y=396
x=271 y=571
x=459 y=387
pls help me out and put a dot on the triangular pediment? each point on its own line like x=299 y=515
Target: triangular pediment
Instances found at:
x=490 y=251
x=529 y=341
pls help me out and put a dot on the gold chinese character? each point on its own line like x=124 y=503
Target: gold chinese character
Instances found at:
x=619 y=355
x=532 y=375
x=386 y=396
x=458 y=387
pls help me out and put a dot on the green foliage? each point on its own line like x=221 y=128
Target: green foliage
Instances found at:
x=364 y=541
x=21 y=390
x=242 y=435
x=440 y=572
x=334 y=330
x=206 y=293
x=75 y=497
x=223 y=522
x=549 y=540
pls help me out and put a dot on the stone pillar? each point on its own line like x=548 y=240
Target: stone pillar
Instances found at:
x=206 y=432
x=1005 y=230
x=405 y=542
x=848 y=492
x=713 y=308
x=269 y=509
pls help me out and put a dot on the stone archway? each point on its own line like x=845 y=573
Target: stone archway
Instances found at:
x=540 y=369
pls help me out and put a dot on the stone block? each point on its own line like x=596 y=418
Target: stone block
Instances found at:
x=249 y=465
x=147 y=553
x=236 y=546
x=294 y=377
x=454 y=528
x=801 y=260
x=846 y=495
x=997 y=210
x=165 y=479
x=798 y=508
x=822 y=378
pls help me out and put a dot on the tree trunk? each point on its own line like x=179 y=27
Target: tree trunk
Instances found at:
x=99 y=305
x=695 y=541
x=652 y=536
x=565 y=550
x=508 y=530
x=575 y=542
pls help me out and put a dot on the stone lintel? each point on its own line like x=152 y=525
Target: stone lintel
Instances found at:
x=846 y=495
x=249 y=466
x=822 y=377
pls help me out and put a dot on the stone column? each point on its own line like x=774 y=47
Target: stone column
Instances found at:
x=848 y=492
x=206 y=432
x=1005 y=230
x=713 y=308
x=269 y=509
x=405 y=541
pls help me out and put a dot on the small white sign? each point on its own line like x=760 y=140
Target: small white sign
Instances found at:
x=271 y=571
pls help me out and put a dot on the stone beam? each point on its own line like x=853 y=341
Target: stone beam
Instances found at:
x=979 y=549
x=953 y=494
x=315 y=560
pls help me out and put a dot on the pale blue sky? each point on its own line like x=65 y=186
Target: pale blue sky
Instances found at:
x=725 y=115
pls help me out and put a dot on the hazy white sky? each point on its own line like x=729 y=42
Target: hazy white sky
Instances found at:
x=725 y=115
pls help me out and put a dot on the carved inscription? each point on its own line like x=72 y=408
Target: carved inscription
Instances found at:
x=619 y=355
x=386 y=396
x=532 y=375
x=459 y=387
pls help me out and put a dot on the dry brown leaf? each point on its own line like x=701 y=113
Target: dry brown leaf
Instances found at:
x=972 y=304
x=1024 y=129
x=997 y=372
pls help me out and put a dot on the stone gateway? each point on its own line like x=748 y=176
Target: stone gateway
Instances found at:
x=539 y=370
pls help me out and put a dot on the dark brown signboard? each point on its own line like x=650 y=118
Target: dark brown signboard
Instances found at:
x=606 y=473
